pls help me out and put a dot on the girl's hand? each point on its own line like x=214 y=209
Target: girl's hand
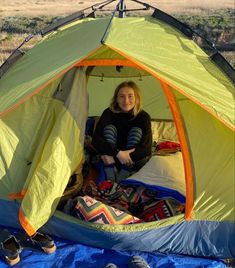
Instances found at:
x=124 y=157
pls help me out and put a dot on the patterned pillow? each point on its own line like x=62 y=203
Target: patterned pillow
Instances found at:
x=161 y=209
x=92 y=210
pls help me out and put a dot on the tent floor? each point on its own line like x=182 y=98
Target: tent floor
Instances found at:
x=69 y=254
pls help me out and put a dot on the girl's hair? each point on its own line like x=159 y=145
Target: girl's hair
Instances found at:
x=138 y=97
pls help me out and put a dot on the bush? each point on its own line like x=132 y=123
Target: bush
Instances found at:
x=24 y=24
x=212 y=26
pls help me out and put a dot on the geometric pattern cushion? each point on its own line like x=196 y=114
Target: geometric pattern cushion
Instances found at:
x=92 y=210
x=161 y=209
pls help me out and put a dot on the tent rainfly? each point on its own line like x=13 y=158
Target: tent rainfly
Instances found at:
x=44 y=106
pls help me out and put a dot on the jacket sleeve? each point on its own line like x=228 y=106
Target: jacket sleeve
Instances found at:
x=99 y=143
x=144 y=148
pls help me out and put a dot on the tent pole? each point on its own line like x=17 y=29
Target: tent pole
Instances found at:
x=121 y=9
x=107 y=28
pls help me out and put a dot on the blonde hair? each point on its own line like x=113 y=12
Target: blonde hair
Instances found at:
x=138 y=97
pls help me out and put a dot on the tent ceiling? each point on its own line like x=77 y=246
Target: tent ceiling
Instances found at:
x=117 y=71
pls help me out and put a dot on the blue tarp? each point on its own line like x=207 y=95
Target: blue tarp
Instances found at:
x=69 y=254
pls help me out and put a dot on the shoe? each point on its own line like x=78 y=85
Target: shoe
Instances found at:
x=10 y=248
x=38 y=241
x=138 y=262
x=45 y=242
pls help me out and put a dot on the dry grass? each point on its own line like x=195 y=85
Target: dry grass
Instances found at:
x=10 y=42
x=230 y=57
x=61 y=7
x=53 y=8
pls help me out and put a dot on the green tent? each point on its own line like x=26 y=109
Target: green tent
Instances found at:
x=46 y=96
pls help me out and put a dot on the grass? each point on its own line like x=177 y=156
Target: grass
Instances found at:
x=218 y=27
x=20 y=25
x=61 y=7
x=230 y=57
x=9 y=42
x=212 y=19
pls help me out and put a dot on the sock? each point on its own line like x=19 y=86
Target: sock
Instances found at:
x=110 y=172
x=123 y=174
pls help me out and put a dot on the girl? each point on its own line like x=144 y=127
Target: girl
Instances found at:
x=123 y=136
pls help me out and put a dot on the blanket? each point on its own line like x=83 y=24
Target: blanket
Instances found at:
x=92 y=210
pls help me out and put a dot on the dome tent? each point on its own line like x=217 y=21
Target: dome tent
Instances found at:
x=44 y=105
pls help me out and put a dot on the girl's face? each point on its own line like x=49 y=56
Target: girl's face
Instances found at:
x=126 y=99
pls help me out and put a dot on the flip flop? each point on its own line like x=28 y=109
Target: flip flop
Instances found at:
x=9 y=247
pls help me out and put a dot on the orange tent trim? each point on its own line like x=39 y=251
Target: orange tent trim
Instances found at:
x=147 y=69
x=19 y=195
x=25 y=224
x=2 y=114
x=108 y=62
x=185 y=151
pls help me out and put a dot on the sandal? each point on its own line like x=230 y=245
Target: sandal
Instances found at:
x=138 y=262
x=10 y=248
x=43 y=241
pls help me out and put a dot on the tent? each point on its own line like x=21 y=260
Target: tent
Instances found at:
x=47 y=94
x=72 y=255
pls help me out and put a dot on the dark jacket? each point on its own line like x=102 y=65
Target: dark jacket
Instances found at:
x=123 y=123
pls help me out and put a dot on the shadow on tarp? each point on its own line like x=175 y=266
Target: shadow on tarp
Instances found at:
x=70 y=254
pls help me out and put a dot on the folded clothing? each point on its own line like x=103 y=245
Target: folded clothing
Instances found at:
x=168 y=145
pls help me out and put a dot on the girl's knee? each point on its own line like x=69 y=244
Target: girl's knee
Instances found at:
x=134 y=137
x=110 y=134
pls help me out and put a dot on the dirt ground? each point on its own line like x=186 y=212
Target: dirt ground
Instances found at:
x=61 y=7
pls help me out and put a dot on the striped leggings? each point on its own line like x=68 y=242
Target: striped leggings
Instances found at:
x=133 y=138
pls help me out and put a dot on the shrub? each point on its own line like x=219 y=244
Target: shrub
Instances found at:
x=24 y=24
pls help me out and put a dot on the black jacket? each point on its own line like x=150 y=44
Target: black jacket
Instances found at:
x=123 y=123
